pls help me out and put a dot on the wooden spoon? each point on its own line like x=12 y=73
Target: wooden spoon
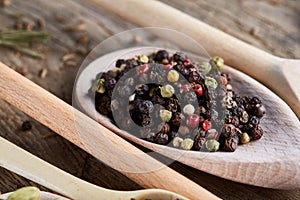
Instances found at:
x=273 y=161
x=29 y=166
x=97 y=140
x=279 y=74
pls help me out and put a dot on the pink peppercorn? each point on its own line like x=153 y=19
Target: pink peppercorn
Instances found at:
x=206 y=125
x=184 y=88
x=198 y=89
x=186 y=62
x=142 y=69
x=193 y=120
x=168 y=67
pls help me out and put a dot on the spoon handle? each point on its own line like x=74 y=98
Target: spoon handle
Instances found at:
x=27 y=165
x=263 y=66
x=33 y=168
x=154 y=13
x=97 y=140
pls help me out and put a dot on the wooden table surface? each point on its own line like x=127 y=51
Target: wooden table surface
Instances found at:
x=78 y=26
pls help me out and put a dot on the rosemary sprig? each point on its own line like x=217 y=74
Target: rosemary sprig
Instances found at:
x=19 y=40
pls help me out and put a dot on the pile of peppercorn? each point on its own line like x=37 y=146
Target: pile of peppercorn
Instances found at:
x=169 y=100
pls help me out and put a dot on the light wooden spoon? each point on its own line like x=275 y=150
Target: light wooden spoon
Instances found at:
x=279 y=74
x=97 y=140
x=273 y=161
x=29 y=166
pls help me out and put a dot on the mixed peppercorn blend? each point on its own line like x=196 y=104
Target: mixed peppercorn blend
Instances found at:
x=170 y=100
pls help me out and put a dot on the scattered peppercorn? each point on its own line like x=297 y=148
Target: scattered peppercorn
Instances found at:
x=26 y=125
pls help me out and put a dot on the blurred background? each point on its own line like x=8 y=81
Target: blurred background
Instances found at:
x=74 y=28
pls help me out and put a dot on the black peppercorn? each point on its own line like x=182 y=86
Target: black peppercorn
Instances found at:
x=199 y=143
x=172 y=105
x=26 y=125
x=145 y=106
x=177 y=118
x=161 y=55
x=231 y=144
x=142 y=89
x=256 y=133
x=110 y=83
x=259 y=110
x=161 y=138
x=120 y=62
x=179 y=57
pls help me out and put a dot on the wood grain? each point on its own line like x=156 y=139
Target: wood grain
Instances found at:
x=237 y=53
x=270 y=25
x=96 y=140
x=256 y=163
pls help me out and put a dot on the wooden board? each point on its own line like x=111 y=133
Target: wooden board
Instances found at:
x=270 y=25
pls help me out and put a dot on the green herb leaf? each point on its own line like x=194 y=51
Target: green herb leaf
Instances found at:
x=19 y=39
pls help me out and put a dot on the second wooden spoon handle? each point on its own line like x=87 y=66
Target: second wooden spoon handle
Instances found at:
x=97 y=140
x=151 y=13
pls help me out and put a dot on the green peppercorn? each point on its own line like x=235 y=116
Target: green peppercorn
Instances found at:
x=219 y=62
x=143 y=58
x=187 y=144
x=167 y=91
x=212 y=145
x=177 y=141
x=205 y=67
x=244 y=138
x=188 y=109
x=211 y=82
x=25 y=193
x=165 y=115
x=99 y=86
x=173 y=76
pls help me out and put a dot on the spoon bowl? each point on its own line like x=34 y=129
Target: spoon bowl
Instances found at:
x=272 y=162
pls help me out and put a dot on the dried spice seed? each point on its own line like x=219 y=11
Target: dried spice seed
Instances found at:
x=173 y=76
x=26 y=125
x=160 y=55
x=167 y=91
x=211 y=82
x=177 y=118
x=161 y=138
x=187 y=144
x=165 y=115
x=188 y=109
x=143 y=59
x=198 y=89
x=212 y=145
x=193 y=120
x=205 y=67
x=177 y=141
x=231 y=144
x=179 y=57
x=219 y=62
x=244 y=138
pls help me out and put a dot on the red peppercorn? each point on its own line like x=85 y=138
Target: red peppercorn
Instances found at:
x=186 y=62
x=168 y=67
x=206 y=125
x=193 y=120
x=198 y=89
x=142 y=69
x=184 y=88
